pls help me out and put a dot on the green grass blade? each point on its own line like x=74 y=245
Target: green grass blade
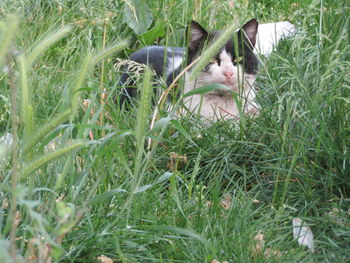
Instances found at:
x=78 y=84
x=100 y=198
x=48 y=127
x=109 y=51
x=207 y=88
x=144 y=110
x=140 y=133
x=26 y=103
x=45 y=43
x=8 y=34
x=49 y=157
x=182 y=232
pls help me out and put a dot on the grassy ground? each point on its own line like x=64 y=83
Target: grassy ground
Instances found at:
x=199 y=193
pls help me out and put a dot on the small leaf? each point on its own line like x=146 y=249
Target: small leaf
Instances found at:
x=303 y=234
x=142 y=188
x=182 y=130
x=155 y=32
x=160 y=124
x=137 y=15
x=164 y=177
x=207 y=88
x=161 y=179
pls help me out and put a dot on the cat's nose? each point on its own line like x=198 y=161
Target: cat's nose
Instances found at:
x=228 y=74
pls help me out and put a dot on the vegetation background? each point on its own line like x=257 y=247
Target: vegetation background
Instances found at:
x=80 y=183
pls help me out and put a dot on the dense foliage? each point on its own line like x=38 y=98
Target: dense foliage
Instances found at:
x=87 y=181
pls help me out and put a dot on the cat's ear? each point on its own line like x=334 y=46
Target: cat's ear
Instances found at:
x=196 y=35
x=249 y=32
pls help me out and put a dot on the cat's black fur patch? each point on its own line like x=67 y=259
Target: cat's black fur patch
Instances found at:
x=157 y=58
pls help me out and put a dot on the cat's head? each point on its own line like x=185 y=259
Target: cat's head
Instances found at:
x=226 y=67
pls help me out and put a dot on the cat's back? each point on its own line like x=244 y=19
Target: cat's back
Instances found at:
x=156 y=52
x=156 y=56
x=165 y=61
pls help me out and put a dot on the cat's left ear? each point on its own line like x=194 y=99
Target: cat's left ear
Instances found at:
x=197 y=34
x=249 y=31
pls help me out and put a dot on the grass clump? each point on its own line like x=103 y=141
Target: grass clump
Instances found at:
x=82 y=182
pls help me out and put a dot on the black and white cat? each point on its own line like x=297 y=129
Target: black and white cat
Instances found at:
x=236 y=71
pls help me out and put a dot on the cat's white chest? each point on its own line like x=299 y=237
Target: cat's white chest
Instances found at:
x=212 y=107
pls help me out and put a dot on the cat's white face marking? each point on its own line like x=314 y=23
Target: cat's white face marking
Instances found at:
x=225 y=72
x=220 y=104
x=222 y=72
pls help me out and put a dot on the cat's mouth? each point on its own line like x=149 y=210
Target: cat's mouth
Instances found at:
x=229 y=83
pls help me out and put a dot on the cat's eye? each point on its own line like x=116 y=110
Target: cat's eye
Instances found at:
x=237 y=60
x=213 y=61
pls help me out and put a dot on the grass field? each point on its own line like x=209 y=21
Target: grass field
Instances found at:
x=82 y=183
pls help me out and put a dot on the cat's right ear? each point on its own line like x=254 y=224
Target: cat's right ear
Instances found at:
x=197 y=34
x=250 y=31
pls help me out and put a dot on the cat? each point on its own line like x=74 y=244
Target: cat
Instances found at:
x=238 y=73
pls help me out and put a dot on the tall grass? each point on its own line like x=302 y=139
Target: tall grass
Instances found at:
x=86 y=184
